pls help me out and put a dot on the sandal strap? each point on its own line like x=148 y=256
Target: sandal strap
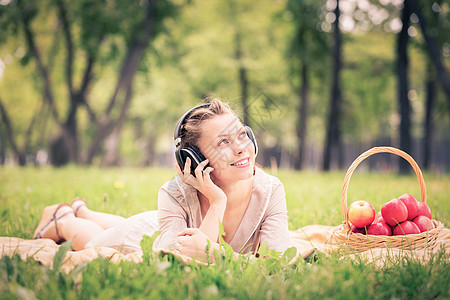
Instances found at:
x=54 y=218
x=79 y=206
x=56 y=225
x=38 y=235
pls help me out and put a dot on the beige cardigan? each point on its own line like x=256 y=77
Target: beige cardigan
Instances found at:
x=265 y=219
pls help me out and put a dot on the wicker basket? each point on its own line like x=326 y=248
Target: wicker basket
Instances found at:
x=347 y=240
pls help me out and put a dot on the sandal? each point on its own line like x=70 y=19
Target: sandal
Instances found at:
x=77 y=207
x=45 y=221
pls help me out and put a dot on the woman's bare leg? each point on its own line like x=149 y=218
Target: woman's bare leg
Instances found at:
x=105 y=220
x=67 y=227
x=81 y=231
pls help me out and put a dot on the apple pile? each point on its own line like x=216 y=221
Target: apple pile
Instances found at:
x=402 y=215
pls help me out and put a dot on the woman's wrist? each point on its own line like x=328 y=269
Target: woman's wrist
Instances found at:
x=216 y=198
x=218 y=205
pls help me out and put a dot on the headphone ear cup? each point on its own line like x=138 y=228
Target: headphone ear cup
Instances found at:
x=251 y=136
x=194 y=154
x=179 y=158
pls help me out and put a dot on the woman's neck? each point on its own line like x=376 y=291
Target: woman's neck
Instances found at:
x=237 y=191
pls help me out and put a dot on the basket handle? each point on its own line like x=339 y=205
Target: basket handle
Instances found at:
x=365 y=155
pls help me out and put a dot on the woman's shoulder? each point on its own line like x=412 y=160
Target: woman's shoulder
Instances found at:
x=267 y=188
x=264 y=179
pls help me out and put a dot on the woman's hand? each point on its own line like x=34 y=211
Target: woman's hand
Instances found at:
x=202 y=181
x=192 y=242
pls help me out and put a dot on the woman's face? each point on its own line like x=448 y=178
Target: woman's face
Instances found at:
x=226 y=144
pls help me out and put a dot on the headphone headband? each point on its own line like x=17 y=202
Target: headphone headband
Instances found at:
x=182 y=120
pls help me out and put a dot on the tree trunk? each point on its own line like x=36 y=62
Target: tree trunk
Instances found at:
x=243 y=80
x=130 y=65
x=333 y=135
x=112 y=142
x=432 y=49
x=302 y=117
x=2 y=148
x=65 y=148
x=428 y=123
x=403 y=101
x=20 y=155
x=148 y=157
x=66 y=135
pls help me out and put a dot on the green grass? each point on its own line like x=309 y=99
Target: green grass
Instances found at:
x=313 y=198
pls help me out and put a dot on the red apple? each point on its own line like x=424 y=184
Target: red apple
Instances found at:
x=394 y=212
x=378 y=218
x=411 y=205
x=423 y=223
x=357 y=230
x=379 y=229
x=361 y=213
x=424 y=210
x=406 y=227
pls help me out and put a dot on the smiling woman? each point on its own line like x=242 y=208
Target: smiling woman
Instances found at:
x=217 y=183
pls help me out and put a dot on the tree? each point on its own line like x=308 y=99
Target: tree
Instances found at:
x=86 y=27
x=234 y=9
x=333 y=143
x=411 y=7
x=402 y=86
x=432 y=20
x=431 y=46
x=308 y=46
x=19 y=153
x=430 y=100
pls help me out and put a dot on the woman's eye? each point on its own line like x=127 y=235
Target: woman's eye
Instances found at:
x=243 y=134
x=223 y=142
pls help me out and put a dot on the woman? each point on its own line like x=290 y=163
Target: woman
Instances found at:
x=226 y=188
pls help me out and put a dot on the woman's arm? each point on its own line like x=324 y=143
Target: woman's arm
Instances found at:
x=216 y=197
x=210 y=224
x=274 y=228
x=192 y=242
x=172 y=219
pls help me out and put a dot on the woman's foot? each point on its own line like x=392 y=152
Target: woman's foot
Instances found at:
x=78 y=205
x=48 y=226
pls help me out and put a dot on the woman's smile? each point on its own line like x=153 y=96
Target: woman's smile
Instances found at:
x=242 y=163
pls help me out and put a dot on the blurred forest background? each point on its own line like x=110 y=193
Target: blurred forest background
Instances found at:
x=103 y=82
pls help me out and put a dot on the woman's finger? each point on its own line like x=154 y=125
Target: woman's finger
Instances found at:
x=182 y=238
x=188 y=231
x=199 y=169
x=207 y=172
x=187 y=167
x=179 y=172
x=203 y=164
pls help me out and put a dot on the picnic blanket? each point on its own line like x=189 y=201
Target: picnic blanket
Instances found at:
x=307 y=240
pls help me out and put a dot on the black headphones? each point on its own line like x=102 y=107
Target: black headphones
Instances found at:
x=191 y=151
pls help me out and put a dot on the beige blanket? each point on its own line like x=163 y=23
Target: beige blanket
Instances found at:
x=306 y=240
x=317 y=237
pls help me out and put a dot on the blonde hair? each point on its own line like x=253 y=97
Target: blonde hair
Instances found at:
x=192 y=128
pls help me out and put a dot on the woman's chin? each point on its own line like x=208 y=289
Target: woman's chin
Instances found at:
x=233 y=174
x=242 y=174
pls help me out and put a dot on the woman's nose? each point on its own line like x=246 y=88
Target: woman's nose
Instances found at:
x=239 y=146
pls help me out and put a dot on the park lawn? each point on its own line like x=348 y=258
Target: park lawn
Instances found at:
x=312 y=198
